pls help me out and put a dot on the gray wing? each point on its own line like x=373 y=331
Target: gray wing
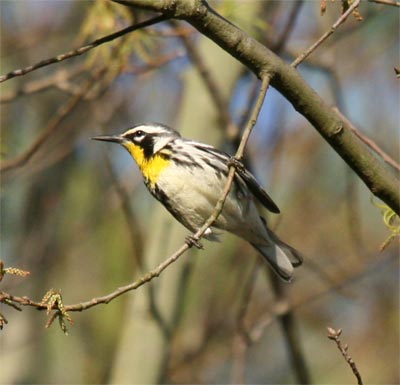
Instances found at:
x=257 y=190
x=244 y=174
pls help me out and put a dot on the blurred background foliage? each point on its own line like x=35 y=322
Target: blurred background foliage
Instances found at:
x=77 y=216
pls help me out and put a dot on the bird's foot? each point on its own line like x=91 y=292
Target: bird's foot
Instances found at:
x=237 y=163
x=191 y=241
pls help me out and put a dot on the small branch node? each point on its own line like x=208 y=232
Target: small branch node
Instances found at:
x=11 y=304
x=337 y=129
x=12 y=271
x=191 y=241
x=236 y=162
x=334 y=336
x=53 y=300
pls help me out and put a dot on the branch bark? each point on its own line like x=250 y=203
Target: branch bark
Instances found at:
x=381 y=181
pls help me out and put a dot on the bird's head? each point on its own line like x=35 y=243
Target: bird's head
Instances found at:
x=143 y=141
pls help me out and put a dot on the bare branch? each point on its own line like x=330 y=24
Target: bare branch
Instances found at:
x=369 y=142
x=53 y=124
x=82 y=50
x=328 y=33
x=24 y=301
x=58 y=80
x=334 y=336
x=393 y=3
x=289 y=26
x=154 y=63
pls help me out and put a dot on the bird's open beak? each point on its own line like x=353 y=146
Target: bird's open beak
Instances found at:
x=109 y=138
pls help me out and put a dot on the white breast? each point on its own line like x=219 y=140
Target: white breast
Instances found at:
x=195 y=195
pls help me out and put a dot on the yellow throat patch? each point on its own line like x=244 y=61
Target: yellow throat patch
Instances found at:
x=150 y=168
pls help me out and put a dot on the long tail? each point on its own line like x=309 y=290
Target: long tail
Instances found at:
x=282 y=257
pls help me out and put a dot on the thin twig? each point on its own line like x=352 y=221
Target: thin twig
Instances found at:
x=253 y=118
x=289 y=26
x=82 y=50
x=59 y=116
x=154 y=64
x=328 y=33
x=24 y=301
x=58 y=80
x=334 y=336
x=255 y=331
x=56 y=120
x=369 y=142
x=386 y=2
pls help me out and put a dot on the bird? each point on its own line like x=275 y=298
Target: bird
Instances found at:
x=188 y=178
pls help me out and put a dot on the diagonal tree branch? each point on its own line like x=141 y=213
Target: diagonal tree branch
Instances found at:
x=81 y=50
x=56 y=80
x=328 y=33
x=55 y=121
x=381 y=181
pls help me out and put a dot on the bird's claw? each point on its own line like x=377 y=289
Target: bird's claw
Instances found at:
x=237 y=163
x=191 y=241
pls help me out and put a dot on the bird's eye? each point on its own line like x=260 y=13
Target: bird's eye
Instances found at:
x=136 y=136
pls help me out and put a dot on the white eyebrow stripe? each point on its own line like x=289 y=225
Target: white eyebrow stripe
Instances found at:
x=147 y=129
x=132 y=130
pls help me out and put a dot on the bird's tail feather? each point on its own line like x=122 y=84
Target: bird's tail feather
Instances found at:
x=282 y=257
x=295 y=257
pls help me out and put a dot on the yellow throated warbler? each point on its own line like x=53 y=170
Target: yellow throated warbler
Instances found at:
x=188 y=178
